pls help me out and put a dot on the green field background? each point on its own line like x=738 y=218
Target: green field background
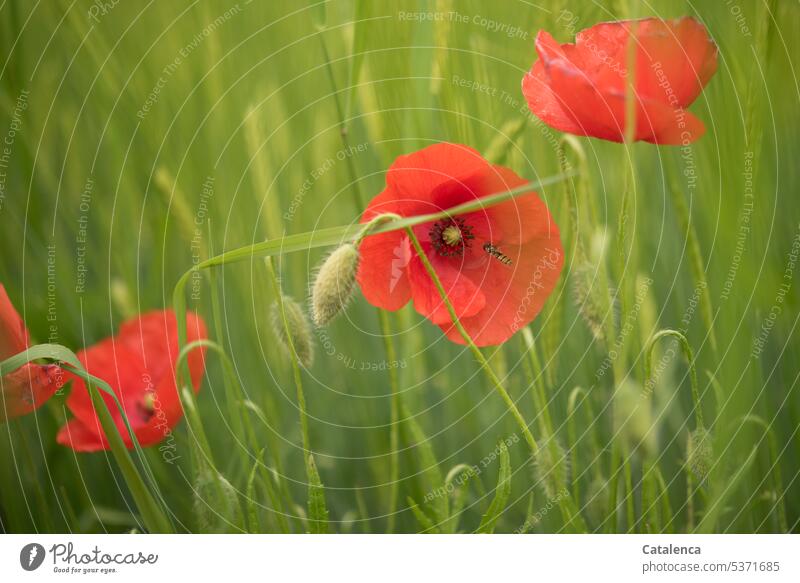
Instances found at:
x=142 y=120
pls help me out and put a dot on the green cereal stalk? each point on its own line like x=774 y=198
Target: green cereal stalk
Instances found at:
x=695 y=256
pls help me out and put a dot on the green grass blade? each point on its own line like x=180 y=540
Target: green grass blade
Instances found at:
x=317 y=509
x=502 y=493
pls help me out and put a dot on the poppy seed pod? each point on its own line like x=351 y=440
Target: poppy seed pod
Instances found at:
x=700 y=452
x=334 y=284
x=297 y=329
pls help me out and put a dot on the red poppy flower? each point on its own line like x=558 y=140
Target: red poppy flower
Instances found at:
x=497 y=265
x=139 y=364
x=24 y=390
x=580 y=88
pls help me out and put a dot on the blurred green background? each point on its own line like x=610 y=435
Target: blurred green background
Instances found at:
x=130 y=121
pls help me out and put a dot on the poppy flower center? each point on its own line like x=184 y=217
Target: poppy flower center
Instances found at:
x=147 y=406
x=450 y=236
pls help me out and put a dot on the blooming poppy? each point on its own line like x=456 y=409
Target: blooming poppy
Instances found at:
x=497 y=264
x=25 y=389
x=580 y=88
x=139 y=364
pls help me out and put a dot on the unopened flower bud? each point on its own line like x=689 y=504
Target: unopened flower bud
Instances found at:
x=586 y=295
x=597 y=500
x=334 y=284
x=215 y=503
x=297 y=329
x=700 y=452
x=551 y=468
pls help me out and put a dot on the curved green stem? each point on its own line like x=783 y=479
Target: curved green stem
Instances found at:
x=188 y=400
x=338 y=235
x=537 y=383
x=572 y=405
x=689 y=354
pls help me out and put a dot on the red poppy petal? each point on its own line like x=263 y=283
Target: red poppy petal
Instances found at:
x=467 y=298
x=517 y=291
x=80 y=437
x=674 y=57
x=544 y=103
x=701 y=52
x=13 y=335
x=382 y=270
x=195 y=330
x=391 y=200
x=154 y=336
x=601 y=54
x=580 y=88
x=27 y=388
x=165 y=413
x=658 y=124
x=118 y=365
x=676 y=54
x=416 y=175
x=520 y=219
x=139 y=361
x=578 y=94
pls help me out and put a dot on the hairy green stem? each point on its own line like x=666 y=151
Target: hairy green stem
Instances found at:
x=510 y=404
x=689 y=354
x=566 y=503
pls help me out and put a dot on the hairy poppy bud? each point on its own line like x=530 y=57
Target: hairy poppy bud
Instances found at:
x=586 y=295
x=298 y=328
x=597 y=500
x=333 y=286
x=594 y=297
x=215 y=502
x=700 y=452
x=551 y=468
